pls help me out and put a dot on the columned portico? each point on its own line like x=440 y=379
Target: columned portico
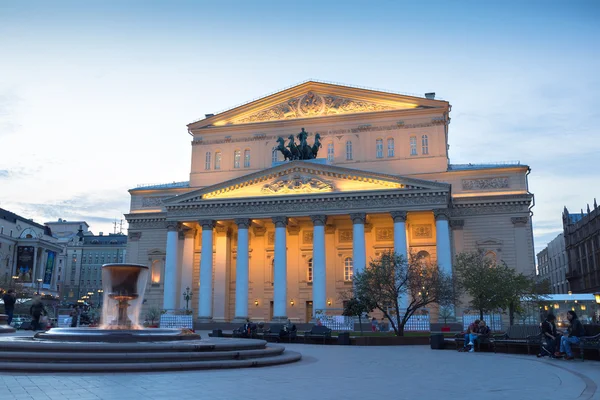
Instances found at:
x=241 y=270
x=280 y=272
x=171 y=265
x=319 y=266
x=205 y=298
x=359 y=251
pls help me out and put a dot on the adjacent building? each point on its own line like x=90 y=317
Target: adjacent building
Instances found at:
x=84 y=254
x=582 y=243
x=253 y=234
x=29 y=254
x=553 y=265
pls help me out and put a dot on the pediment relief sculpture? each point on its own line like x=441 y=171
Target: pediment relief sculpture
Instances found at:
x=313 y=104
x=297 y=184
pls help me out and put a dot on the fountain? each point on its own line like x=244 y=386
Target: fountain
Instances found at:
x=121 y=344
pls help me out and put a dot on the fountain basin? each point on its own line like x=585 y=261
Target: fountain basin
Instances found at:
x=115 y=335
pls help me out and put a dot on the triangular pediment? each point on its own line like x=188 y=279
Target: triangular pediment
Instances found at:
x=315 y=99
x=305 y=178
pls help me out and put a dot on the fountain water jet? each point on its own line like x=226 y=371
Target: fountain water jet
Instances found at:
x=122 y=302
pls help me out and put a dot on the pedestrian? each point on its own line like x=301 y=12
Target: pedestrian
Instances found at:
x=10 y=298
x=549 y=337
x=574 y=332
x=36 y=310
x=373 y=325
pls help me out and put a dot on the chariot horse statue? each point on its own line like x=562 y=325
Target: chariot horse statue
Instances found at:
x=300 y=151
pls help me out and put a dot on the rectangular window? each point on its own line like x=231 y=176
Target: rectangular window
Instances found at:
x=207 y=161
x=379 y=148
x=237 y=155
x=348 y=150
x=413 y=145
x=330 y=154
x=218 y=160
x=246 y=158
x=390 y=147
x=424 y=144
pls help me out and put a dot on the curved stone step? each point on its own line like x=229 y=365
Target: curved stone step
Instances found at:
x=205 y=345
x=160 y=357
x=284 y=358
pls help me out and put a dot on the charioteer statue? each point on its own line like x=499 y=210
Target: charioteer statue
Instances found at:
x=300 y=151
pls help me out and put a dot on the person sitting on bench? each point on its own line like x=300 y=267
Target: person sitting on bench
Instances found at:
x=471 y=333
x=549 y=337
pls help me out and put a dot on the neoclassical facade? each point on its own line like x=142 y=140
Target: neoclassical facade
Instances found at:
x=255 y=236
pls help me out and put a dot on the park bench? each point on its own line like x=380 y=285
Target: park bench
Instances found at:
x=519 y=335
x=244 y=333
x=591 y=340
x=459 y=340
x=278 y=332
x=318 y=332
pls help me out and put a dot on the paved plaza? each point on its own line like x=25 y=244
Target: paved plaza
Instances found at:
x=335 y=372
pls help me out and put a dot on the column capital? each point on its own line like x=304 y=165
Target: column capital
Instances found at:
x=280 y=222
x=442 y=214
x=358 y=218
x=519 y=221
x=457 y=223
x=207 y=224
x=319 y=220
x=398 y=216
x=172 y=226
x=242 y=223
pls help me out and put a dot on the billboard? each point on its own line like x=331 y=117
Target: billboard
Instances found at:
x=25 y=255
x=49 y=267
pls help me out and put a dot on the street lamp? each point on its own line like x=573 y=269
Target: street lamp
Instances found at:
x=100 y=292
x=39 y=281
x=597 y=297
x=187 y=295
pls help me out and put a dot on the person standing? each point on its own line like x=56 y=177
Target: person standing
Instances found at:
x=10 y=298
x=574 y=332
x=36 y=310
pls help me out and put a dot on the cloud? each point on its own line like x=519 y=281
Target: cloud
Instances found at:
x=4 y=173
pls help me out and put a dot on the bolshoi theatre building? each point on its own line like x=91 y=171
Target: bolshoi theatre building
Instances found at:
x=289 y=195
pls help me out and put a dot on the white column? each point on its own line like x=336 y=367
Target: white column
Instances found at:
x=280 y=289
x=400 y=247
x=319 y=268
x=442 y=239
x=242 y=270
x=359 y=252
x=222 y=273
x=170 y=292
x=187 y=266
x=206 y=271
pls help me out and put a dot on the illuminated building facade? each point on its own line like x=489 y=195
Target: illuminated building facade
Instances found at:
x=255 y=236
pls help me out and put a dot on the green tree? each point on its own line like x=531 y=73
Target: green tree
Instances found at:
x=519 y=289
x=478 y=276
x=152 y=314
x=355 y=307
x=391 y=276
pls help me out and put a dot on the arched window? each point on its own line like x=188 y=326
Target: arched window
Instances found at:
x=413 y=145
x=309 y=276
x=349 y=150
x=423 y=257
x=348 y=269
x=207 y=161
x=379 y=148
x=424 y=145
x=330 y=153
x=237 y=155
x=247 y=158
x=156 y=272
x=217 y=160
x=390 y=144
x=491 y=256
x=274 y=155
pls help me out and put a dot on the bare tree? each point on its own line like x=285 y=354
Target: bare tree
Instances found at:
x=391 y=276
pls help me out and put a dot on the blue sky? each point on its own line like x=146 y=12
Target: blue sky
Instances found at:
x=95 y=95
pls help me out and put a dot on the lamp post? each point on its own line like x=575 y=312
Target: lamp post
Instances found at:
x=39 y=281
x=187 y=295
x=15 y=279
x=597 y=297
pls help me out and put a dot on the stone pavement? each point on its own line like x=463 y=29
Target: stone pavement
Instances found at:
x=336 y=372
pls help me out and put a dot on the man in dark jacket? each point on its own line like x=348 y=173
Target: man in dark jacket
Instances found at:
x=36 y=310
x=575 y=332
x=549 y=337
x=10 y=298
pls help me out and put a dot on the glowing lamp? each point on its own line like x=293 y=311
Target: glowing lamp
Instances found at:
x=597 y=297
